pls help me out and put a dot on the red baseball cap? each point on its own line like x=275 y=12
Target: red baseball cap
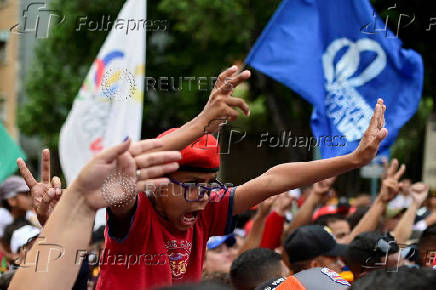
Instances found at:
x=203 y=155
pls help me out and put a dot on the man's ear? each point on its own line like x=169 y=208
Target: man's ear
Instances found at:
x=314 y=263
x=285 y=259
x=12 y=201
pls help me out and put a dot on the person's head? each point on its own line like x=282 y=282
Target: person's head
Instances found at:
x=186 y=196
x=219 y=255
x=16 y=196
x=197 y=286
x=431 y=200
x=312 y=246
x=9 y=232
x=405 y=185
x=406 y=279
x=221 y=278
x=427 y=247
x=338 y=225
x=354 y=218
x=22 y=240
x=361 y=200
x=372 y=250
x=255 y=266
x=311 y=279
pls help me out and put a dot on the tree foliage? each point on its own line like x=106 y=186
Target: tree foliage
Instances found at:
x=203 y=38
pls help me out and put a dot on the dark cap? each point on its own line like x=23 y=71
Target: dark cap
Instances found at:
x=368 y=248
x=309 y=242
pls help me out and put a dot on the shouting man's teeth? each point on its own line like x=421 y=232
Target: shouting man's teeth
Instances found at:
x=189 y=218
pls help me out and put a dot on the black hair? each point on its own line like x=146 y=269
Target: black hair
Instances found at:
x=243 y=218
x=5 y=204
x=9 y=230
x=220 y=278
x=254 y=267
x=364 y=250
x=324 y=220
x=354 y=218
x=300 y=265
x=405 y=279
x=427 y=243
x=98 y=235
x=430 y=231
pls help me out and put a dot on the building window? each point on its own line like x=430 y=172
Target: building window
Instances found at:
x=4 y=37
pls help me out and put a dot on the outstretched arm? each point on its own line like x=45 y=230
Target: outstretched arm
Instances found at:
x=293 y=175
x=220 y=107
x=389 y=189
x=69 y=227
x=305 y=213
x=403 y=230
x=254 y=238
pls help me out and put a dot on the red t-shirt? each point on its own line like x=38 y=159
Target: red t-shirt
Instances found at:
x=154 y=253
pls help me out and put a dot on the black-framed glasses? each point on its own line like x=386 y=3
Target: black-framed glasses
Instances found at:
x=195 y=191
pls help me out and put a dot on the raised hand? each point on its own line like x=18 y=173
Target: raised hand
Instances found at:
x=265 y=206
x=117 y=166
x=390 y=185
x=322 y=187
x=370 y=142
x=282 y=203
x=45 y=194
x=150 y=165
x=419 y=192
x=221 y=105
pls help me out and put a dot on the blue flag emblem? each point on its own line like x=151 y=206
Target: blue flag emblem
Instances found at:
x=317 y=48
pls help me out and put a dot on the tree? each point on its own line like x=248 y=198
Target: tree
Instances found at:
x=203 y=37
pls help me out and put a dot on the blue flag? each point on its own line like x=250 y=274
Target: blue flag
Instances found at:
x=340 y=56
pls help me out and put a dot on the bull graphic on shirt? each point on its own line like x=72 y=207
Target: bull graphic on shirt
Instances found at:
x=178 y=264
x=178 y=256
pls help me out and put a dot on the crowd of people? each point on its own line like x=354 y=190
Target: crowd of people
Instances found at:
x=171 y=224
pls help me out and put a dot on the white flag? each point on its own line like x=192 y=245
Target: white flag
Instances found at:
x=108 y=107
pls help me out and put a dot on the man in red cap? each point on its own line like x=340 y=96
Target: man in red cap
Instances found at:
x=160 y=237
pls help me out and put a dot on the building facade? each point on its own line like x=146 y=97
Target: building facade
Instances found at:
x=9 y=65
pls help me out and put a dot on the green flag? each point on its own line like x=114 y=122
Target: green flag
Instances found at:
x=9 y=152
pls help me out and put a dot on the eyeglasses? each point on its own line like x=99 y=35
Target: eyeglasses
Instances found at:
x=195 y=191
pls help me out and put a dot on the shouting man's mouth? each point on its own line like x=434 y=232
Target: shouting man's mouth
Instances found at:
x=190 y=218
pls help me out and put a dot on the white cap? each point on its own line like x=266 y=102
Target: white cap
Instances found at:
x=295 y=193
x=100 y=218
x=21 y=236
